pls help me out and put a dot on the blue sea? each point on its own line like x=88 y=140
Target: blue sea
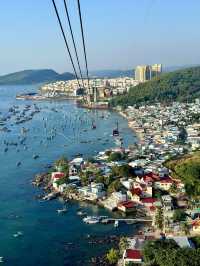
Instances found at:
x=60 y=128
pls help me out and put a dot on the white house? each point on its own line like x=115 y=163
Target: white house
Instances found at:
x=93 y=192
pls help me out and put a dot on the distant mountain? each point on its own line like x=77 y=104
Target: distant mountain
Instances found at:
x=34 y=76
x=108 y=73
x=180 y=85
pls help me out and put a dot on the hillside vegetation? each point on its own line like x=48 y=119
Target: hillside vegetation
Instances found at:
x=181 y=85
x=33 y=76
x=187 y=168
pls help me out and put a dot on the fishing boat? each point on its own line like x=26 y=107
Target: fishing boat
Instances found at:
x=62 y=210
x=35 y=156
x=93 y=125
x=116 y=131
x=18 y=163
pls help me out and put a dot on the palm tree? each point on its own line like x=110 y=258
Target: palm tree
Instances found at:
x=123 y=244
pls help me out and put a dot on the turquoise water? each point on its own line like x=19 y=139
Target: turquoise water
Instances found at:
x=46 y=235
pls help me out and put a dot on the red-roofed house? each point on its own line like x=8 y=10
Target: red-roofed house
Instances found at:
x=150 y=178
x=127 y=206
x=134 y=194
x=148 y=202
x=164 y=184
x=55 y=176
x=132 y=255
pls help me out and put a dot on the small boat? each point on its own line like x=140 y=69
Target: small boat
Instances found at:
x=35 y=156
x=116 y=224
x=18 y=163
x=19 y=233
x=1 y=259
x=93 y=125
x=116 y=131
x=81 y=213
x=91 y=220
x=62 y=210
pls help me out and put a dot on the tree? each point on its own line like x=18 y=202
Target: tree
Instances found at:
x=179 y=215
x=182 y=137
x=114 y=186
x=173 y=188
x=125 y=170
x=185 y=228
x=123 y=244
x=62 y=164
x=153 y=251
x=62 y=181
x=112 y=256
x=159 y=219
x=196 y=241
x=115 y=156
x=85 y=176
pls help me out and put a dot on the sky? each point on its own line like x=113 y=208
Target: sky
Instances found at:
x=120 y=34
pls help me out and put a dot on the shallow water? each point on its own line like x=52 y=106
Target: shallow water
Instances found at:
x=46 y=235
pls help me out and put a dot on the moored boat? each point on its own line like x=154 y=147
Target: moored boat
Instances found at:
x=91 y=220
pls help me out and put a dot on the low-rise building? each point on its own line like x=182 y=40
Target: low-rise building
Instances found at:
x=127 y=206
x=132 y=256
x=55 y=176
x=93 y=191
x=167 y=202
x=164 y=184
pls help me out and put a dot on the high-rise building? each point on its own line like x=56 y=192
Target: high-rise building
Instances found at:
x=143 y=73
x=156 y=70
x=146 y=72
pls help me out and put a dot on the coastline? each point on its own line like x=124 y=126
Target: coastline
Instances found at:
x=36 y=217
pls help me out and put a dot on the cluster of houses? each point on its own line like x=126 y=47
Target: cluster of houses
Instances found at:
x=135 y=193
x=150 y=187
x=162 y=124
x=105 y=87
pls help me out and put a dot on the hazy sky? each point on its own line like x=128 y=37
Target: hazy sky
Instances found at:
x=119 y=33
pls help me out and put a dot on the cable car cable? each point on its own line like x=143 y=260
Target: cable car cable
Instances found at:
x=83 y=40
x=65 y=40
x=73 y=40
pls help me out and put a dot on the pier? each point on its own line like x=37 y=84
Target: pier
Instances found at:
x=126 y=220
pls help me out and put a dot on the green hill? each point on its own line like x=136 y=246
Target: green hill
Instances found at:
x=34 y=76
x=180 y=85
x=187 y=168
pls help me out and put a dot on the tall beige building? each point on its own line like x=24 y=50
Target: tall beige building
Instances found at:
x=143 y=73
x=156 y=70
x=146 y=72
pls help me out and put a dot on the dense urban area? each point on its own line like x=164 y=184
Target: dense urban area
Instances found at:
x=154 y=182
